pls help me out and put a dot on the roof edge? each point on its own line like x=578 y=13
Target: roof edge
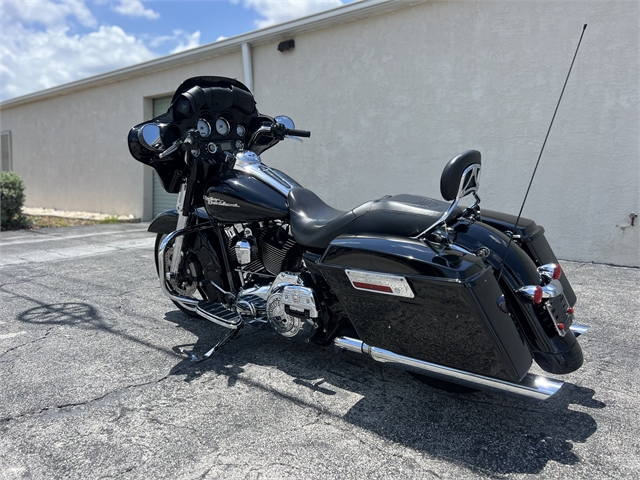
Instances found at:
x=342 y=14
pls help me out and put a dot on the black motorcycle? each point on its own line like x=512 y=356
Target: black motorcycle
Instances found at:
x=451 y=293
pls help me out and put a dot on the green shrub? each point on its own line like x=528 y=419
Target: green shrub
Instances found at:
x=11 y=201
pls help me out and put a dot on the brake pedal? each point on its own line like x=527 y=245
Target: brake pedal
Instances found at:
x=219 y=314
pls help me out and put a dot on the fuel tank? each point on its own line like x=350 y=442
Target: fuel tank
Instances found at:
x=237 y=197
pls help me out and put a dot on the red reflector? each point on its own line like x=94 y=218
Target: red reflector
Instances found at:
x=537 y=296
x=557 y=271
x=561 y=326
x=383 y=288
x=570 y=310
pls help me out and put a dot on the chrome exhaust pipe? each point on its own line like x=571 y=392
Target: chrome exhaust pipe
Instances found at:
x=531 y=386
x=578 y=329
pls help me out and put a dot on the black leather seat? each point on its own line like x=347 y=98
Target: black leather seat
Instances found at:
x=315 y=224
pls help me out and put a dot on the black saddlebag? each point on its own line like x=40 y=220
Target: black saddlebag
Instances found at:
x=404 y=297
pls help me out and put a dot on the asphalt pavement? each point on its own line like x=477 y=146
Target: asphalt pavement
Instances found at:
x=97 y=380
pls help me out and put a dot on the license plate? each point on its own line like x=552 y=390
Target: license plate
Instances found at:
x=558 y=309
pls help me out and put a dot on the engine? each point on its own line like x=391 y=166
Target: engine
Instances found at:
x=286 y=303
x=264 y=247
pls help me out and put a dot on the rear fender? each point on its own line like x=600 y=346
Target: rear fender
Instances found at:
x=554 y=354
x=532 y=240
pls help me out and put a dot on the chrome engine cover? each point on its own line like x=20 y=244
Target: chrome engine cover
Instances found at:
x=291 y=307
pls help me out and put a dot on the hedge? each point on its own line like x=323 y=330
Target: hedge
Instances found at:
x=11 y=201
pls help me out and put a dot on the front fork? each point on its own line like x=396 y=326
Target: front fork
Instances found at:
x=178 y=254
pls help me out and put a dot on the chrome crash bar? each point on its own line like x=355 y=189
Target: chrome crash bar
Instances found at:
x=186 y=302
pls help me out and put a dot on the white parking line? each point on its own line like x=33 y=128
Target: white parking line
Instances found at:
x=51 y=255
x=68 y=237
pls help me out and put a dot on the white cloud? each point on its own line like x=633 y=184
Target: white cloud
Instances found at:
x=188 y=41
x=135 y=8
x=33 y=60
x=279 y=11
x=184 y=40
x=47 y=12
x=41 y=45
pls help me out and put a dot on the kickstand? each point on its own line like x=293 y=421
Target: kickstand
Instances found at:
x=227 y=338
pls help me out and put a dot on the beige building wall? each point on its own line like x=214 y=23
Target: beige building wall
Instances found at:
x=71 y=150
x=390 y=98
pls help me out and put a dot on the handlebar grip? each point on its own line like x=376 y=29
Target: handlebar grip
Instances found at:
x=298 y=133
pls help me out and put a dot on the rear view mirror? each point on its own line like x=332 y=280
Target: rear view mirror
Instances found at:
x=286 y=121
x=149 y=136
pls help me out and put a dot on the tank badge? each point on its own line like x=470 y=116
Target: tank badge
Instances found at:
x=219 y=202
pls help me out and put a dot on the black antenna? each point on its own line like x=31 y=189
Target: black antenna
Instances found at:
x=515 y=226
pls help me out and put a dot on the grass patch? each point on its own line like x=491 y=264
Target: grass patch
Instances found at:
x=37 y=221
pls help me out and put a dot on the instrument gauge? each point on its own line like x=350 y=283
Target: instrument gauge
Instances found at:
x=204 y=129
x=222 y=126
x=240 y=130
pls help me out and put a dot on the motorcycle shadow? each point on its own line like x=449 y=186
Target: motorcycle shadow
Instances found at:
x=490 y=434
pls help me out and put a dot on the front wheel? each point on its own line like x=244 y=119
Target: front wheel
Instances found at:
x=185 y=285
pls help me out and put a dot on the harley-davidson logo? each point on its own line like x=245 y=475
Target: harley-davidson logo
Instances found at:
x=219 y=202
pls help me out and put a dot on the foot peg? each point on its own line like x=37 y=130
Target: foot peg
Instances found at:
x=219 y=314
x=252 y=305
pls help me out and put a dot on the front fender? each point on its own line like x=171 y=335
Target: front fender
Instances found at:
x=166 y=222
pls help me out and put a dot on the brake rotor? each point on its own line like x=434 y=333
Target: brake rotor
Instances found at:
x=180 y=286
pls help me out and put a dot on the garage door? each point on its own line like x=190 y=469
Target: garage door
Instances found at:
x=161 y=200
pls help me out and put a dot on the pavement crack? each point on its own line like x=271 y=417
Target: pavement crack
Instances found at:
x=41 y=411
x=27 y=343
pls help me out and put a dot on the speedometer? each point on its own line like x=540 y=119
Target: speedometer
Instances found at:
x=222 y=126
x=204 y=129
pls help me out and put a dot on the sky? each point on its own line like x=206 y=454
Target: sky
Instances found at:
x=46 y=43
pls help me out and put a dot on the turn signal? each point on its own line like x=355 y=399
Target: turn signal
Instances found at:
x=557 y=271
x=549 y=272
x=537 y=295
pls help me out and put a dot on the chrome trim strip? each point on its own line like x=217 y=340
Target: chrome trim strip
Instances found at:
x=531 y=386
x=578 y=329
x=250 y=163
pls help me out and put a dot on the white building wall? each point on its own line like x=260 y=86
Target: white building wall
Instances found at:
x=390 y=99
x=71 y=150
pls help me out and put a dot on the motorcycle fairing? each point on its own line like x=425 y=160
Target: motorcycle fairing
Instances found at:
x=208 y=81
x=315 y=224
x=453 y=318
